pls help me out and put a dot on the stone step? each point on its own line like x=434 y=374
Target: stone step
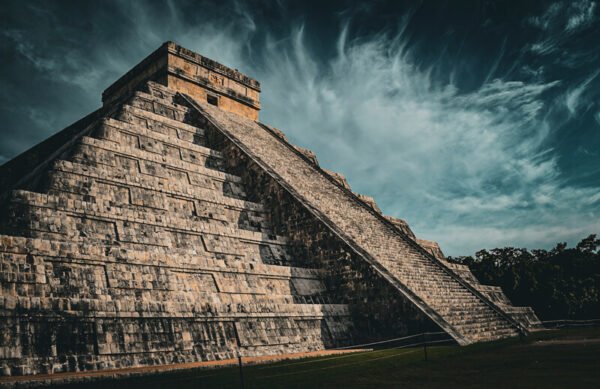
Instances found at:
x=423 y=269
x=91 y=154
x=425 y=266
x=117 y=177
x=112 y=279
x=136 y=137
x=476 y=320
x=103 y=308
x=441 y=295
x=161 y=124
x=118 y=281
x=444 y=294
x=142 y=219
x=471 y=304
x=103 y=150
x=448 y=300
x=438 y=285
x=160 y=105
x=451 y=309
x=182 y=261
x=219 y=216
x=461 y=313
x=489 y=333
x=111 y=194
x=467 y=326
x=435 y=287
x=458 y=308
x=484 y=323
x=162 y=110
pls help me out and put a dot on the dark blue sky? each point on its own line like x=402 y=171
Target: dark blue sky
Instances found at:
x=476 y=121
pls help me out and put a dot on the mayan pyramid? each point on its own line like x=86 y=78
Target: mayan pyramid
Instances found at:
x=171 y=226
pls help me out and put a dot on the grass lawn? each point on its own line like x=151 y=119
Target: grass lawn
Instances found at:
x=565 y=359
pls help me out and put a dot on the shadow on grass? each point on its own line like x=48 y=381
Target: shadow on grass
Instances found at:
x=500 y=364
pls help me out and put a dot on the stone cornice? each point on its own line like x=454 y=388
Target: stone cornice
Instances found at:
x=174 y=49
x=205 y=83
x=208 y=63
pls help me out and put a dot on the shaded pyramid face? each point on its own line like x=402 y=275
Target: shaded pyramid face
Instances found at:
x=164 y=229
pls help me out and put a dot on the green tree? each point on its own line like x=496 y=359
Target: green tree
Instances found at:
x=562 y=283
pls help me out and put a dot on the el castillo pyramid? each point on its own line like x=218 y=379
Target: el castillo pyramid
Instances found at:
x=172 y=226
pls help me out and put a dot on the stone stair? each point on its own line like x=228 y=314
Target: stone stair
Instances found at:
x=525 y=316
x=430 y=284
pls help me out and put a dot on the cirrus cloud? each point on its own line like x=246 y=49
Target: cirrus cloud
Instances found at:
x=469 y=167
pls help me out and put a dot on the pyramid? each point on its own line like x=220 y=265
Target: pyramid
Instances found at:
x=172 y=226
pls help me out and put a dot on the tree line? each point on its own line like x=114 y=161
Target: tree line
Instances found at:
x=562 y=283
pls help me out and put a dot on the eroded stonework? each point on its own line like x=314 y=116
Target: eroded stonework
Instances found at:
x=164 y=229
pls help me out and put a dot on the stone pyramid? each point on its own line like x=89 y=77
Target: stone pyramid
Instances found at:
x=171 y=226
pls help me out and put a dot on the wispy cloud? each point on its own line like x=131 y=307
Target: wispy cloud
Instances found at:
x=470 y=168
x=573 y=97
x=466 y=161
x=548 y=19
x=581 y=13
x=59 y=65
x=559 y=22
x=565 y=15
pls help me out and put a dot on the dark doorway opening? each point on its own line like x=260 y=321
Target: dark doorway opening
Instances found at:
x=214 y=100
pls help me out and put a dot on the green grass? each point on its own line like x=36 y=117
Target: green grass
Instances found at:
x=503 y=364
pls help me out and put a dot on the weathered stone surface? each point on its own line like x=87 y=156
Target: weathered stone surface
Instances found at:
x=185 y=71
x=402 y=225
x=175 y=231
x=431 y=246
x=339 y=178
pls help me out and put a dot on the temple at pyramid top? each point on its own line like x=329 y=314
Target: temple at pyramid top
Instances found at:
x=185 y=71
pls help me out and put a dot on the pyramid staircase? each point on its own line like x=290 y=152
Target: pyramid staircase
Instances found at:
x=162 y=229
x=455 y=305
